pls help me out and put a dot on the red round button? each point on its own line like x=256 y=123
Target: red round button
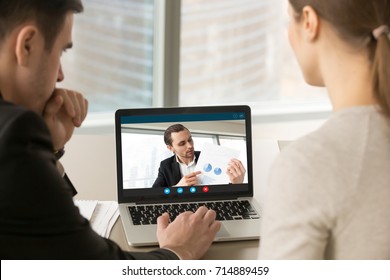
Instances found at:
x=205 y=189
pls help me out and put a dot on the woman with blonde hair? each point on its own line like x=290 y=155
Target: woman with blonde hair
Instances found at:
x=329 y=193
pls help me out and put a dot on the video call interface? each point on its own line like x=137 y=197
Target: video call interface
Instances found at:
x=217 y=138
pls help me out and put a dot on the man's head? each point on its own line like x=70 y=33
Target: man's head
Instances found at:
x=33 y=35
x=179 y=141
x=49 y=16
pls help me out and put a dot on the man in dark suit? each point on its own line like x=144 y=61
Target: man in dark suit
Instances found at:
x=179 y=170
x=169 y=173
x=38 y=219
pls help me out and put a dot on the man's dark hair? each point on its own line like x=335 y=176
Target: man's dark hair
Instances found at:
x=49 y=16
x=168 y=132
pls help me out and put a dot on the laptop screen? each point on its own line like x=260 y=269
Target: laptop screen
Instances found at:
x=156 y=147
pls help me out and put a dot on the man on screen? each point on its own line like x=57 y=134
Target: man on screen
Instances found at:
x=179 y=170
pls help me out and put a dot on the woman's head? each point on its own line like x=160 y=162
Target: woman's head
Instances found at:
x=355 y=22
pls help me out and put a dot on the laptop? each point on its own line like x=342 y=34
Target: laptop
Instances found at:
x=219 y=133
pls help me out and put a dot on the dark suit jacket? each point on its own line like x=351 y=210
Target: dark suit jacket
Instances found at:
x=38 y=219
x=169 y=172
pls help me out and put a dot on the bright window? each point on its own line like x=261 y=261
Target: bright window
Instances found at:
x=231 y=52
x=112 y=59
x=238 y=52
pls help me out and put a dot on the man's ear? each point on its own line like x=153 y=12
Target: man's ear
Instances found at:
x=169 y=147
x=26 y=43
x=311 y=23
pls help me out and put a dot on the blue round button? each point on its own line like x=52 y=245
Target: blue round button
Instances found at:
x=193 y=189
x=180 y=190
x=167 y=191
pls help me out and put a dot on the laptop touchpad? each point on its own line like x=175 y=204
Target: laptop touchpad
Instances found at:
x=223 y=232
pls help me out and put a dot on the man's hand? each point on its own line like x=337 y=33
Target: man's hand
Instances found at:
x=65 y=110
x=189 y=180
x=190 y=234
x=236 y=171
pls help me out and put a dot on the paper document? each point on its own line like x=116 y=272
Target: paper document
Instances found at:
x=86 y=207
x=213 y=162
x=102 y=215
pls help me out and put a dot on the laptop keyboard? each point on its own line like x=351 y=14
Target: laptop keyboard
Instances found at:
x=226 y=210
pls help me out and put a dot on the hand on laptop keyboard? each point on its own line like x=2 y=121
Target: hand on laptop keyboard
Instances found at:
x=190 y=234
x=226 y=210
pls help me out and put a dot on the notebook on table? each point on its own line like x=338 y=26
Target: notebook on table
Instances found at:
x=219 y=133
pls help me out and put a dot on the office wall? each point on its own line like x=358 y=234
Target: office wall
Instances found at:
x=285 y=130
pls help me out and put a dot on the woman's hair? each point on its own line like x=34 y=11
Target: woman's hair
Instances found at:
x=355 y=21
x=49 y=16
